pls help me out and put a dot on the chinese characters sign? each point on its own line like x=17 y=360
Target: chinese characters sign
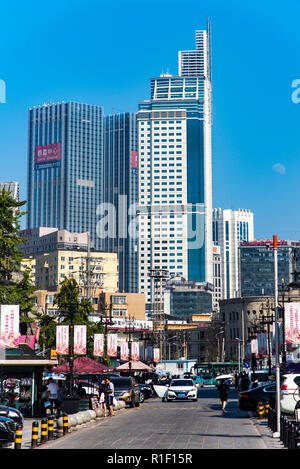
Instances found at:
x=62 y=340
x=292 y=329
x=98 y=345
x=124 y=351
x=9 y=331
x=135 y=350
x=112 y=345
x=156 y=355
x=80 y=340
x=46 y=153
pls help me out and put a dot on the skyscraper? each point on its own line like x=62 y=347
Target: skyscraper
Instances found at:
x=65 y=164
x=120 y=194
x=175 y=188
x=230 y=228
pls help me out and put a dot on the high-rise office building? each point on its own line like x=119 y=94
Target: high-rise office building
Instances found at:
x=175 y=187
x=120 y=194
x=257 y=266
x=65 y=165
x=230 y=228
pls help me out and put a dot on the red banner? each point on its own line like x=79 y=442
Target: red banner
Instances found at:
x=80 y=340
x=135 y=351
x=156 y=355
x=62 y=340
x=9 y=331
x=124 y=351
x=112 y=343
x=98 y=345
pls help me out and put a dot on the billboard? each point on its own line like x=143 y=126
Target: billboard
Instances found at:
x=98 y=345
x=47 y=153
x=9 y=331
x=62 y=340
x=291 y=321
x=134 y=159
x=80 y=340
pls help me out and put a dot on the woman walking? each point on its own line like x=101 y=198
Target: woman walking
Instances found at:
x=223 y=394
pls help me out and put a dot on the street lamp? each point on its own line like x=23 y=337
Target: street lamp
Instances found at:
x=239 y=352
x=218 y=355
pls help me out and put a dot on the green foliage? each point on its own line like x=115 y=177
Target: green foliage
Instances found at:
x=10 y=254
x=71 y=311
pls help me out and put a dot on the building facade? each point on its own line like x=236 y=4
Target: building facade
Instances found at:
x=185 y=298
x=65 y=167
x=257 y=266
x=175 y=189
x=120 y=195
x=12 y=187
x=230 y=228
x=41 y=239
x=217 y=277
x=99 y=271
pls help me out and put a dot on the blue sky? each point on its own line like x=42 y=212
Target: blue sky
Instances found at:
x=105 y=53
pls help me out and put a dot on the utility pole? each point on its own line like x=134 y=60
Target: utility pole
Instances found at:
x=277 y=433
x=160 y=326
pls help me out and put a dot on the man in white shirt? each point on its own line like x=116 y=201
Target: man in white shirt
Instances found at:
x=52 y=390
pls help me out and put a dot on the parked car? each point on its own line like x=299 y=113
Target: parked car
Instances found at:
x=289 y=392
x=12 y=413
x=146 y=391
x=248 y=400
x=7 y=431
x=126 y=389
x=181 y=389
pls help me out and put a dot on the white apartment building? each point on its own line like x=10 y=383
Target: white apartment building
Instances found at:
x=230 y=228
x=174 y=163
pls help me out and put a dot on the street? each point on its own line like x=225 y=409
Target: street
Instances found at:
x=171 y=425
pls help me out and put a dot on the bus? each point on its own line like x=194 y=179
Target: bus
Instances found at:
x=207 y=372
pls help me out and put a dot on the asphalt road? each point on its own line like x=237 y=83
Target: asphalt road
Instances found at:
x=170 y=425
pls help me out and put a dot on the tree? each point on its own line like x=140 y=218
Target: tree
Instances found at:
x=10 y=253
x=15 y=284
x=72 y=310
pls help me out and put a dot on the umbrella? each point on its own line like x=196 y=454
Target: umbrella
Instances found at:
x=83 y=365
x=224 y=377
x=136 y=365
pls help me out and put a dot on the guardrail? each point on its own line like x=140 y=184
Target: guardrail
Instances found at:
x=289 y=429
x=54 y=427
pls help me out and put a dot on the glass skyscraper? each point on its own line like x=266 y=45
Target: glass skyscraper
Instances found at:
x=65 y=167
x=175 y=187
x=120 y=193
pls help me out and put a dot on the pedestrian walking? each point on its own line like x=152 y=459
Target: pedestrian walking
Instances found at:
x=102 y=392
x=223 y=387
x=60 y=396
x=52 y=390
x=110 y=394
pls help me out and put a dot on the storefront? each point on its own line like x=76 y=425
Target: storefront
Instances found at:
x=21 y=373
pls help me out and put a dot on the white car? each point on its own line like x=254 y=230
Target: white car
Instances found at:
x=289 y=393
x=181 y=389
